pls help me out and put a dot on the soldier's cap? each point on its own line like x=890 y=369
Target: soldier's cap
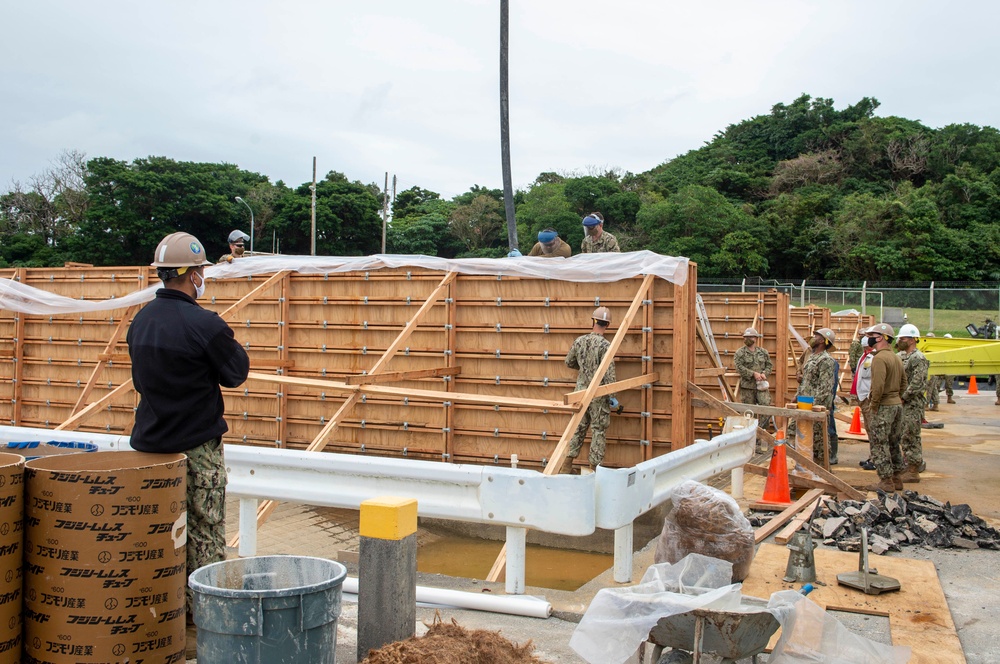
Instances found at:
x=884 y=329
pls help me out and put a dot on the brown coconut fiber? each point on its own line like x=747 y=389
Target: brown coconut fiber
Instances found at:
x=446 y=643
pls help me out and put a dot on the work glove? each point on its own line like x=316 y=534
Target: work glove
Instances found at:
x=617 y=407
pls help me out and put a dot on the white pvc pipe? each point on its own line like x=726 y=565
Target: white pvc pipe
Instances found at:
x=520 y=605
x=737 y=483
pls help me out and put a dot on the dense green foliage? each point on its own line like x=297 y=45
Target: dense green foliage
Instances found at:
x=805 y=191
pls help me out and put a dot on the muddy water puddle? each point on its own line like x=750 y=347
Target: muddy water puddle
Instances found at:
x=559 y=569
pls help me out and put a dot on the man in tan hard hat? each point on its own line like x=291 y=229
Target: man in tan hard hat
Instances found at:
x=754 y=366
x=819 y=377
x=586 y=356
x=884 y=408
x=181 y=354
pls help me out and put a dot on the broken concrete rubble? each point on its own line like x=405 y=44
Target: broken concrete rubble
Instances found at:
x=898 y=520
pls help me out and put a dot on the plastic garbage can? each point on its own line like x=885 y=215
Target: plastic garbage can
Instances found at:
x=268 y=610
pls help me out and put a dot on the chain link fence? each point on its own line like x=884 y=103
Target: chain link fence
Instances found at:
x=940 y=307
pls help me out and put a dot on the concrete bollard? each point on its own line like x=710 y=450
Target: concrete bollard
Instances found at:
x=387 y=572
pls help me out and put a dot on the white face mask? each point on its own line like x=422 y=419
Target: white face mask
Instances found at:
x=199 y=289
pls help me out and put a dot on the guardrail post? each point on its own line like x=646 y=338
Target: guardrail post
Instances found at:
x=248 y=527
x=737 y=482
x=387 y=572
x=930 y=324
x=623 y=554
x=516 y=560
x=864 y=297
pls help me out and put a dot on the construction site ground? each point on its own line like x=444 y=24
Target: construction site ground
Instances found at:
x=963 y=460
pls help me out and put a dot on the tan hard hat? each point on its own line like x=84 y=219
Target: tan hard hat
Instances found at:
x=750 y=332
x=884 y=329
x=827 y=334
x=180 y=250
x=602 y=314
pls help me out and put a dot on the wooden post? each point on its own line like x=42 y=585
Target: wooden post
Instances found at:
x=18 y=391
x=682 y=414
x=646 y=399
x=283 y=339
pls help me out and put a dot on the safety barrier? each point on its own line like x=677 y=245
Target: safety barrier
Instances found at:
x=518 y=499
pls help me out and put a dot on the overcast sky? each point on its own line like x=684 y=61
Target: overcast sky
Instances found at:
x=412 y=88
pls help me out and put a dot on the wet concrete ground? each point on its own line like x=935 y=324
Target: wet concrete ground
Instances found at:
x=963 y=465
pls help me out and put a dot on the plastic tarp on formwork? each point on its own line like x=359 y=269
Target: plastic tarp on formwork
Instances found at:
x=593 y=268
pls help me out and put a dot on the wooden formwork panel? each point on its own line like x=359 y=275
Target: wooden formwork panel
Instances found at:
x=504 y=337
x=730 y=314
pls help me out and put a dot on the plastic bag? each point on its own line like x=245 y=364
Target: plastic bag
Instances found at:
x=706 y=521
x=619 y=619
x=810 y=635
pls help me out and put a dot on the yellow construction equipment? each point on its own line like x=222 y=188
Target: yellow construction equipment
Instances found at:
x=961 y=357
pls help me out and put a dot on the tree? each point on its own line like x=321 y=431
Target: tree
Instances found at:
x=51 y=204
x=479 y=224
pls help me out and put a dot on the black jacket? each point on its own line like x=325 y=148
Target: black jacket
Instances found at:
x=181 y=354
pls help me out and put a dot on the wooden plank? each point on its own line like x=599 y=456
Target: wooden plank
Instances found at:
x=18 y=387
x=396 y=376
x=713 y=371
x=431 y=395
x=825 y=475
x=619 y=386
x=796 y=523
x=107 y=355
x=284 y=325
x=684 y=342
x=252 y=296
x=727 y=388
x=778 y=521
x=648 y=332
x=918 y=613
x=556 y=460
x=127 y=385
x=816 y=415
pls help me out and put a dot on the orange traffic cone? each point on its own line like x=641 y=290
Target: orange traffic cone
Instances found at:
x=776 y=489
x=972 y=386
x=856 y=422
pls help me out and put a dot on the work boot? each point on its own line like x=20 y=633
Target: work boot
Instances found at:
x=867 y=464
x=897 y=481
x=567 y=466
x=191 y=642
x=885 y=484
x=950 y=400
x=933 y=407
x=911 y=475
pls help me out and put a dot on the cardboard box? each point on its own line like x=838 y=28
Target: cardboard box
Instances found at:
x=105 y=558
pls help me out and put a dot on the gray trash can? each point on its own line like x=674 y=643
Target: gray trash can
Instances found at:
x=268 y=610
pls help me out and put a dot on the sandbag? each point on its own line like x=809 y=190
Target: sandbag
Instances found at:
x=706 y=521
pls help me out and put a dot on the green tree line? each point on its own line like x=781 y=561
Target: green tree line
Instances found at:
x=805 y=191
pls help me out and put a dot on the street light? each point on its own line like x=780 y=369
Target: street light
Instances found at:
x=240 y=200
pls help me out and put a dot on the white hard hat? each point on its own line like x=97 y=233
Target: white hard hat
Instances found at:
x=947 y=336
x=238 y=236
x=909 y=330
x=750 y=332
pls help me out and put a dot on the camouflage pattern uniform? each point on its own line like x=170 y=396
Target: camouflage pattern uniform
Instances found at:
x=934 y=389
x=206 y=508
x=603 y=245
x=749 y=361
x=586 y=355
x=818 y=375
x=854 y=354
x=915 y=366
x=886 y=408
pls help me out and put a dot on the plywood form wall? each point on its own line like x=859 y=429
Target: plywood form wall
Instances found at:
x=730 y=314
x=509 y=336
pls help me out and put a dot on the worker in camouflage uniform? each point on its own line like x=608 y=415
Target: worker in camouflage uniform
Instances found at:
x=934 y=385
x=754 y=366
x=596 y=240
x=586 y=356
x=818 y=377
x=915 y=367
x=181 y=355
x=854 y=354
x=888 y=381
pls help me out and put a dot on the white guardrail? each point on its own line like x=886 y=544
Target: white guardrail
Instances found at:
x=518 y=499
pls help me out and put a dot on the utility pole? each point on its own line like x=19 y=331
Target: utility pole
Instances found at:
x=508 y=190
x=312 y=243
x=385 y=208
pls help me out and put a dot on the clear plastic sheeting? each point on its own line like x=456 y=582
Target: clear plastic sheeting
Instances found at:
x=618 y=620
x=593 y=268
x=810 y=635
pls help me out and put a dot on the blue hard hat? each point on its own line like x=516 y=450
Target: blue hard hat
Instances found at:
x=591 y=220
x=547 y=236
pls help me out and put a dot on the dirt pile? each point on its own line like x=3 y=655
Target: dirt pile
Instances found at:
x=450 y=643
x=898 y=520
